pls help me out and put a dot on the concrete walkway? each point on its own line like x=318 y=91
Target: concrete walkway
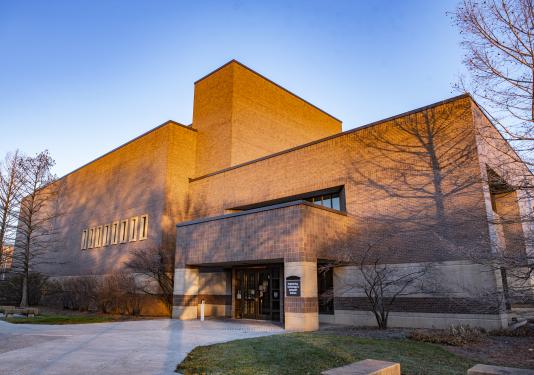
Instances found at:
x=130 y=348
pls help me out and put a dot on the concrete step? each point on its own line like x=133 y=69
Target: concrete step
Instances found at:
x=366 y=367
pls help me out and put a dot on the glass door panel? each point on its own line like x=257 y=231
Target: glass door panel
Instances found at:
x=257 y=293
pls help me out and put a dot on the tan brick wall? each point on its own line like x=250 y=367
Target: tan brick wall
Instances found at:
x=377 y=184
x=507 y=208
x=212 y=116
x=512 y=209
x=133 y=180
x=181 y=159
x=285 y=233
x=242 y=116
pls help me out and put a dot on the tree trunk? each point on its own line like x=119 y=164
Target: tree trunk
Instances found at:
x=3 y=226
x=383 y=322
x=24 y=299
x=532 y=92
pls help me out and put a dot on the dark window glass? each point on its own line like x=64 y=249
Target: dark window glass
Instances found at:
x=336 y=203
x=327 y=201
x=325 y=286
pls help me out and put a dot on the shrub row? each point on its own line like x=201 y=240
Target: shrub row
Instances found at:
x=117 y=293
x=455 y=336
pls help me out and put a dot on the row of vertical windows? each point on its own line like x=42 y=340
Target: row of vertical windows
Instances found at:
x=120 y=231
x=327 y=200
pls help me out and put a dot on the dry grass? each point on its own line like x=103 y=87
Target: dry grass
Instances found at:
x=456 y=336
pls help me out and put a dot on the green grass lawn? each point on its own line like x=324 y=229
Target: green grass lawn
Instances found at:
x=311 y=353
x=64 y=319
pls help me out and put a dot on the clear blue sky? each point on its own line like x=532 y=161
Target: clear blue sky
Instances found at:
x=82 y=77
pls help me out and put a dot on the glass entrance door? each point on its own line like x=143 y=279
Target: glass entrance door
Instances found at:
x=249 y=308
x=257 y=293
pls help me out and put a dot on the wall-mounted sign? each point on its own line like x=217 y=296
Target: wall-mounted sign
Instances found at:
x=293 y=286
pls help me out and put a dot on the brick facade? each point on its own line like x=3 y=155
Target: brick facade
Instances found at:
x=133 y=180
x=229 y=191
x=284 y=232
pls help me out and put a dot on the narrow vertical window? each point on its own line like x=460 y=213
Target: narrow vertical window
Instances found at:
x=98 y=236
x=143 y=227
x=115 y=233
x=91 y=239
x=84 y=239
x=105 y=235
x=123 y=231
x=133 y=229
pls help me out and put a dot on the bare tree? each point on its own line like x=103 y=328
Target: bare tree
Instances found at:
x=37 y=218
x=498 y=37
x=382 y=283
x=11 y=183
x=155 y=265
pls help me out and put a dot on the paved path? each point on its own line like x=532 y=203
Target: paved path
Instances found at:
x=132 y=348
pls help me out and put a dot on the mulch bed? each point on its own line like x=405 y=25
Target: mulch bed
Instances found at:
x=499 y=350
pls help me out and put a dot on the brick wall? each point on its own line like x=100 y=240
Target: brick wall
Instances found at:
x=390 y=194
x=133 y=180
x=242 y=116
x=288 y=232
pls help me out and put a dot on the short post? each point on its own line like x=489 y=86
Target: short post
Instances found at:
x=202 y=310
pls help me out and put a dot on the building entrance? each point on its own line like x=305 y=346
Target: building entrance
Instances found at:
x=257 y=293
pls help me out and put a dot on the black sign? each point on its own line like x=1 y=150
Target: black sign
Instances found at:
x=293 y=286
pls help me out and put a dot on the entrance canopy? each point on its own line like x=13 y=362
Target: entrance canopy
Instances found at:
x=293 y=235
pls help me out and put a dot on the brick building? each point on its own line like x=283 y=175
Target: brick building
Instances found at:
x=263 y=188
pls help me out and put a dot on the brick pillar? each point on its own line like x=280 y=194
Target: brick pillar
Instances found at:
x=185 y=293
x=301 y=313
